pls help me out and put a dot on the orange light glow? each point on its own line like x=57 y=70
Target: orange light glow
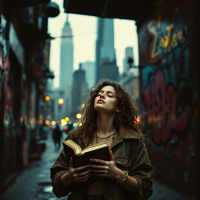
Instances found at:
x=60 y=101
x=137 y=120
x=47 y=122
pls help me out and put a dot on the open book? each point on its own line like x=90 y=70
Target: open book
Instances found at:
x=82 y=157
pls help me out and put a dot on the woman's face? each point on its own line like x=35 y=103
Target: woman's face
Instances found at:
x=106 y=100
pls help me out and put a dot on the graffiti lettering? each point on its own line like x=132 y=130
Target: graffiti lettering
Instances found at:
x=161 y=109
x=165 y=37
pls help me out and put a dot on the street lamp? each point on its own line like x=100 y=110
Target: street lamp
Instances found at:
x=66 y=119
x=63 y=122
x=47 y=98
x=78 y=116
x=60 y=101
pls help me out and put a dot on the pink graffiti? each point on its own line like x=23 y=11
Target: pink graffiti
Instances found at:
x=161 y=109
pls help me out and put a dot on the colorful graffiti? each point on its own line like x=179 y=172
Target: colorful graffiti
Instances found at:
x=167 y=35
x=169 y=91
x=165 y=80
x=161 y=108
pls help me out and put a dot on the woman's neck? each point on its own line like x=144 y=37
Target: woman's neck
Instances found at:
x=105 y=124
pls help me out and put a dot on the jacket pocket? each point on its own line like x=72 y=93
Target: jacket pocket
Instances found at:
x=123 y=164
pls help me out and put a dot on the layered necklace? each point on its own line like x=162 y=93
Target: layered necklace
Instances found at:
x=107 y=138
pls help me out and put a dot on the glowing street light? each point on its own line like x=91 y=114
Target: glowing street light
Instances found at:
x=47 y=98
x=60 y=101
x=67 y=119
x=63 y=122
x=53 y=123
x=78 y=116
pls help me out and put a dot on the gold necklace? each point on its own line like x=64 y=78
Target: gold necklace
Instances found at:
x=108 y=137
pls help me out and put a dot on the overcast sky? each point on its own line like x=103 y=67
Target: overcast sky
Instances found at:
x=84 y=30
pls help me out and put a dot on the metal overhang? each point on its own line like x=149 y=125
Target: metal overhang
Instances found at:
x=122 y=9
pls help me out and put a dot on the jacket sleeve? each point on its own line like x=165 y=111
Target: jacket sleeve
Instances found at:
x=60 y=168
x=141 y=169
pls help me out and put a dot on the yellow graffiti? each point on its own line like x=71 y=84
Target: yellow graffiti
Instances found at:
x=153 y=53
x=167 y=42
x=174 y=40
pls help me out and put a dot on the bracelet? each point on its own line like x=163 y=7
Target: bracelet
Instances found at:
x=124 y=179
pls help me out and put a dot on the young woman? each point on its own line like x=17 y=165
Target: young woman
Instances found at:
x=108 y=116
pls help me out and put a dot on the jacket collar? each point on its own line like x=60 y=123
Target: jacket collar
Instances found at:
x=127 y=133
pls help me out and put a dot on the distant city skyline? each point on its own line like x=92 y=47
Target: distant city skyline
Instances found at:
x=84 y=37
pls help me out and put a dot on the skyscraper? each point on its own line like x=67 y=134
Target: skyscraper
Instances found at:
x=89 y=73
x=104 y=43
x=77 y=88
x=66 y=56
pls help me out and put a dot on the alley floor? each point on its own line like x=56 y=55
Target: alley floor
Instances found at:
x=34 y=182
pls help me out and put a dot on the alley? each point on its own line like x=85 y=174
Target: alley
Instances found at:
x=34 y=182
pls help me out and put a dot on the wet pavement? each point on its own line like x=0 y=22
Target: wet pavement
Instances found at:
x=34 y=182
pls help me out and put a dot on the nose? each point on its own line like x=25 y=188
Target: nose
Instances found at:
x=102 y=95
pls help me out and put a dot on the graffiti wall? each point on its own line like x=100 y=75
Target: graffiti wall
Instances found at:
x=169 y=90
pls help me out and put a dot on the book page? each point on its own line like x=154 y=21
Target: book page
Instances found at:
x=92 y=148
x=74 y=146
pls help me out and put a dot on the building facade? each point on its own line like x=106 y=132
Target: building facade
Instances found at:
x=79 y=85
x=89 y=68
x=24 y=64
x=109 y=70
x=131 y=84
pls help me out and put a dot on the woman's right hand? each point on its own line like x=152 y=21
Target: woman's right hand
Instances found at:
x=73 y=174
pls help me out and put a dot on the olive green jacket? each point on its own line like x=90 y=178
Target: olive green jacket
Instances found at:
x=130 y=155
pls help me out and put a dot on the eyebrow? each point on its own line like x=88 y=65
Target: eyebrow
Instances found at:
x=107 y=92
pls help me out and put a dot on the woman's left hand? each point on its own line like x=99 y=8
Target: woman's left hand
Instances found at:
x=106 y=169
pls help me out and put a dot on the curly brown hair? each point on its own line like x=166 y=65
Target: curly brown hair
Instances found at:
x=127 y=117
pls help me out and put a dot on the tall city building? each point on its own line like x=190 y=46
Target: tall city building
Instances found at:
x=66 y=56
x=109 y=70
x=77 y=89
x=104 y=43
x=128 y=54
x=89 y=68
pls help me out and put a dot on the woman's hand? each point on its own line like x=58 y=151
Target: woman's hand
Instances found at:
x=107 y=168
x=73 y=174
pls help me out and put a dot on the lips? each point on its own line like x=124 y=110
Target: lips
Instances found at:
x=100 y=101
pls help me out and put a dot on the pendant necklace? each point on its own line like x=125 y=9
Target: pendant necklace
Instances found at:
x=108 y=138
